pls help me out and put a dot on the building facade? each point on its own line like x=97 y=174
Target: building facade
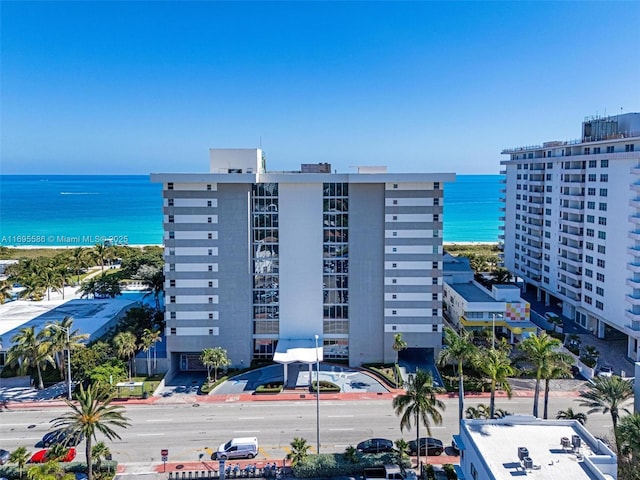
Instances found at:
x=470 y=305
x=572 y=224
x=258 y=260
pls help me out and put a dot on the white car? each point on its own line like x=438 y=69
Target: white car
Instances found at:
x=605 y=371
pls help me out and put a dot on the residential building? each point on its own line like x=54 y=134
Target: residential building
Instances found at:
x=572 y=224
x=261 y=262
x=525 y=446
x=470 y=305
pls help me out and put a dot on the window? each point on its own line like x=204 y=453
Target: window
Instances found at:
x=603 y=192
x=591 y=219
x=587 y=300
x=210 y=252
x=589 y=245
x=547 y=246
x=436 y=185
x=210 y=284
x=395 y=185
x=548 y=177
x=211 y=331
x=434 y=328
x=434 y=264
x=434 y=296
x=592 y=177
x=547 y=234
x=596 y=150
x=172 y=267
x=172 y=283
x=600 y=277
x=547 y=223
x=610 y=149
x=629 y=147
x=210 y=299
x=173 y=331
x=545 y=279
x=602 y=207
x=602 y=220
x=588 y=286
x=172 y=315
x=599 y=305
x=393 y=312
x=602 y=249
x=394 y=265
x=593 y=164
x=171 y=218
x=395 y=202
x=210 y=268
x=602 y=235
x=588 y=259
x=587 y=150
x=211 y=316
x=395 y=234
x=600 y=263
x=172 y=299
x=591 y=191
x=210 y=236
x=590 y=232
x=588 y=273
x=209 y=187
x=547 y=211
x=549 y=164
x=170 y=186
x=394 y=218
x=436 y=201
x=394 y=296
x=208 y=203
x=591 y=205
x=209 y=220
x=394 y=281
x=394 y=249
x=170 y=202
x=548 y=189
x=604 y=177
x=600 y=291
x=434 y=312
x=436 y=217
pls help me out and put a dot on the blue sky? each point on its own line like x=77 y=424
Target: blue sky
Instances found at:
x=139 y=87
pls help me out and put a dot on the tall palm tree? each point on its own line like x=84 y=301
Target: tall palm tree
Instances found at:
x=20 y=456
x=29 y=351
x=101 y=252
x=540 y=350
x=93 y=413
x=125 y=344
x=457 y=348
x=419 y=404
x=608 y=395
x=147 y=340
x=214 y=358
x=55 y=338
x=495 y=364
x=155 y=285
x=79 y=260
x=570 y=414
x=398 y=345
x=560 y=367
x=629 y=435
x=51 y=279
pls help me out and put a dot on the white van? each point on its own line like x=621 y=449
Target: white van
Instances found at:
x=246 y=447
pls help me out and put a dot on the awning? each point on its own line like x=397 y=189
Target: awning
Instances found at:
x=304 y=350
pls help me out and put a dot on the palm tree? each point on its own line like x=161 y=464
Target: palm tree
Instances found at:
x=419 y=404
x=20 y=456
x=100 y=252
x=501 y=275
x=629 y=435
x=125 y=344
x=457 y=348
x=79 y=260
x=570 y=414
x=29 y=351
x=100 y=451
x=398 y=345
x=495 y=364
x=51 y=279
x=351 y=454
x=148 y=339
x=5 y=291
x=214 y=358
x=608 y=395
x=92 y=413
x=55 y=338
x=50 y=470
x=88 y=288
x=559 y=368
x=401 y=452
x=482 y=411
x=57 y=452
x=299 y=451
x=155 y=285
x=540 y=350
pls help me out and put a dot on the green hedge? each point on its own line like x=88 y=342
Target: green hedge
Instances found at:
x=385 y=372
x=207 y=387
x=12 y=472
x=328 y=465
x=325 y=387
x=273 y=387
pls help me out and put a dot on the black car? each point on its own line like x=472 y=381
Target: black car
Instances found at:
x=62 y=436
x=375 y=445
x=435 y=446
x=4 y=456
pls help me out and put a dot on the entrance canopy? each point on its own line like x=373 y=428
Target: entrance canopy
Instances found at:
x=303 y=350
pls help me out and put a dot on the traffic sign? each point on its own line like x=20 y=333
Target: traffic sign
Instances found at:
x=164 y=452
x=165 y=458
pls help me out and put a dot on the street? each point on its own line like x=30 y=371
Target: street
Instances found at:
x=193 y=432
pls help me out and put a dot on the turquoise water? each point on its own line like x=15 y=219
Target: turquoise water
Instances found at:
x=75 y=210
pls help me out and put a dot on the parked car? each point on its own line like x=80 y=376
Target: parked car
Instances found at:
x=62 y=436
x=41 y=456
x=4 y=456
x=428 y=445
x=454 y=446
x=605 y=371
x=375 y=445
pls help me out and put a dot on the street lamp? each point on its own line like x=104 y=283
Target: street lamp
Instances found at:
x=317 y=398
x=66 y=331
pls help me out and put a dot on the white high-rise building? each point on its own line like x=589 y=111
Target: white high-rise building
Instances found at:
x=572 y=224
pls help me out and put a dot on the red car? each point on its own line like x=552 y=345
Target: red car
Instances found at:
x=41 y=456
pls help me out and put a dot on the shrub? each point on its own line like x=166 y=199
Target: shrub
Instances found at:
x=273 y=387
x=207 y=387
x=588 y=361
x=325 y=387
x=328 y=465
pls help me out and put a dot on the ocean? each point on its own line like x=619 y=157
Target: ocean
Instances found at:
x=82 y=210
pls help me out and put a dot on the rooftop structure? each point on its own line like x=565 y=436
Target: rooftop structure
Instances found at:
x=572 y=225
x=523 y=446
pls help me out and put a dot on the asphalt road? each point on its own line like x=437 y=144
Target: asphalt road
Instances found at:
x=192 y=433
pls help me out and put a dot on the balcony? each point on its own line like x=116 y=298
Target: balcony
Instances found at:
x=571 y=223
x=635 y=186
x=635 y=319
x=635 y=251
x=634 y=235
x=633 y=267
x=633 y=299
x=633 y=283
x=634 y=219
x=502 y=172
x=634 y=202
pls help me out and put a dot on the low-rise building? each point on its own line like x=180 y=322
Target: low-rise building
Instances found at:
x=468 y=304
x=524 y=446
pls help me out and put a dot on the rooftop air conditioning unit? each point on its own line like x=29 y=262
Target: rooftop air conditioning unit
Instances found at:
x=576 y=441
x=564 y=441
x=522 y=452
x=528 y=463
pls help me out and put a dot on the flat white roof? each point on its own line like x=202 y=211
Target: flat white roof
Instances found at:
x=498 y=441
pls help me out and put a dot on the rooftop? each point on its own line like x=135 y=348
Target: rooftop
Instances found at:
x=471 y=292
x=498 y=443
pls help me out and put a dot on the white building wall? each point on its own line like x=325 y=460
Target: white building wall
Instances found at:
x=301 y=238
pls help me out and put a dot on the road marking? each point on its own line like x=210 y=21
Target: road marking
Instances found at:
x=250 y=418
x=160 y=420
x=150 y=434
x=341 y=429
x=340 y=416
